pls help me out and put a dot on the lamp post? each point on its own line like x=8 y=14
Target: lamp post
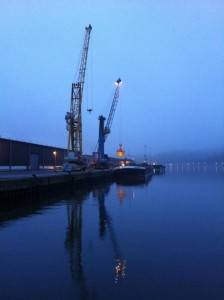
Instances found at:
x=55 y=156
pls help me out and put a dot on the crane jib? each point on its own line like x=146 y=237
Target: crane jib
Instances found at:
x=105 y=131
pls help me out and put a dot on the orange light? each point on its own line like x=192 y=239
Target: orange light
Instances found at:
x=120 y=151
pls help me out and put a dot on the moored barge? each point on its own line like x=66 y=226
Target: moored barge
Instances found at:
x=133 y=173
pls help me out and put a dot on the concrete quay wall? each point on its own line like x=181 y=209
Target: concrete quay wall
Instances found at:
x=37 y=181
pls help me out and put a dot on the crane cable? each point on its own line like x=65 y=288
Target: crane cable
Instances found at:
x=90 y=84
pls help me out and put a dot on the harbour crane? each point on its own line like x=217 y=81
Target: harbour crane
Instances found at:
x=74 y=116
x=105 y=131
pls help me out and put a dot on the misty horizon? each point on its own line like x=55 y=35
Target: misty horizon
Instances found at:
x=169 y=56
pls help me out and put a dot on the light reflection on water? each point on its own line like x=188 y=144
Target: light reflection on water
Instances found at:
x=163 y=239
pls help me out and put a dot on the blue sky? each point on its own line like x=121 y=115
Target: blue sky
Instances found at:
x=169 y=54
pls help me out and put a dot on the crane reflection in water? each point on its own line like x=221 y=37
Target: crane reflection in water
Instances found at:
x=106 y=224
x=73 y=241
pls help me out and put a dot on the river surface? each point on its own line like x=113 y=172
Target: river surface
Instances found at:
x=160 y=240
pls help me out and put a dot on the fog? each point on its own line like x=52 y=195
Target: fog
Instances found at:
x=169 y=55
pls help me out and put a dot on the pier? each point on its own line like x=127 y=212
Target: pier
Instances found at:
x=19 y=182
x=27 y=168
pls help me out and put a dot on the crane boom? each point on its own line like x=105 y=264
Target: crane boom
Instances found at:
x=112 y=110
x=105 y=131
x=74 y=117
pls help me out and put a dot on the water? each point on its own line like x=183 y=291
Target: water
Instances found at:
x=162 y=240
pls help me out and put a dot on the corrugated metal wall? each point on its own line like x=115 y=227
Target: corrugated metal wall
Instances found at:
x=17 y=154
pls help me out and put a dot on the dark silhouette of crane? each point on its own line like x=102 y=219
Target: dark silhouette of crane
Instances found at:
x=74 y=239
x=106 y=224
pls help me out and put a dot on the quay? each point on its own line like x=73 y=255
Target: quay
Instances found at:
x=21 y=181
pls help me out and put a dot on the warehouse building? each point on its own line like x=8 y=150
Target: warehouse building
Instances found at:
x=17 y=155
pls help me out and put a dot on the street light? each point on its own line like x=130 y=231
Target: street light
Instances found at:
x=55 y=156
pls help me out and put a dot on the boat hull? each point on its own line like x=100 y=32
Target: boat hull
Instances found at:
x=133 y=173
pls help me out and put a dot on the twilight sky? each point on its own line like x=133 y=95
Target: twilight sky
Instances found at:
x=168 y=53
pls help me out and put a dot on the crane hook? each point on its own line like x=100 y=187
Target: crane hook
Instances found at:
x=89 y=110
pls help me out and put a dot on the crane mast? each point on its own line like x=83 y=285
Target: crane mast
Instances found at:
x=74 y=116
